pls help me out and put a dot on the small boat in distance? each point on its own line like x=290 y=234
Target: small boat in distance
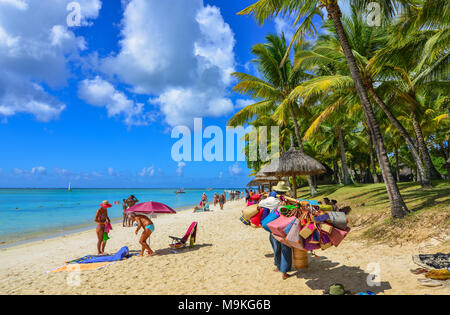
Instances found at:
x=69 y=189
x=181 y=191
x=209 y=189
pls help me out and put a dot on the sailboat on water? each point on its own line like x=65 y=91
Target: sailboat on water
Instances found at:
x=69 y=189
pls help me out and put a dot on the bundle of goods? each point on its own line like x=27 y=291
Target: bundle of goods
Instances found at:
x=308 y=227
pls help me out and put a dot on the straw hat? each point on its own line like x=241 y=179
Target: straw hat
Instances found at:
x=281 y=186
x=106 y=204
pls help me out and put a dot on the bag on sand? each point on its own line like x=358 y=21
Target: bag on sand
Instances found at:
x=278 y=226
x=293 y=239
x=338 y=219
x=250 y=212
x=270 y=217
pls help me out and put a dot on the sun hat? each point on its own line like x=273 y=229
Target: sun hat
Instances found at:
x=281 y=186
x=106 y=204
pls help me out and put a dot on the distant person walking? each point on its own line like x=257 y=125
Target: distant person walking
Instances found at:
x=222 y=200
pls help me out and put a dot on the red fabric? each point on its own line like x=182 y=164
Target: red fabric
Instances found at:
x=255 y=196
x=256 y=220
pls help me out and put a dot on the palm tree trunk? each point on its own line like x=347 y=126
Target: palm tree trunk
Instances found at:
x=335 y=172
x=432 y=172
x=372 y=159
x=312 y=188
x=294 y=186
x=347 y=179
x=424 y=179
x=398 y=206
x=396 y=165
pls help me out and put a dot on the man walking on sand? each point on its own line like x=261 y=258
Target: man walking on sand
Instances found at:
x=147 y=224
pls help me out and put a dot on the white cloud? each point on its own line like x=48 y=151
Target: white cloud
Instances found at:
x=36 y=47
x=180 y=168
x=220 y=175
x=284 y=25
x=101 y=93
x=147 y=171
x=38 y=170
x=241 y=103
x=235 y=169
x=111 y=171
x=181 y=53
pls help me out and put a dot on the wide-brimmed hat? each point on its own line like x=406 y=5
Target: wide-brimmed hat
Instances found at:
x=281 y=186
x=106 y=204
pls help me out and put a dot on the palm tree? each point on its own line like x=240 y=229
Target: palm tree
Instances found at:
x=271 y=90
x=265 y=9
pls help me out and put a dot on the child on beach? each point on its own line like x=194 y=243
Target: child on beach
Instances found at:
x=101 y=218
x=147 y=224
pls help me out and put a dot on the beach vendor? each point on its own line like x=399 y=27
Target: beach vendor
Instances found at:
x=282 y=253
x=102 y=219
x=148 y=226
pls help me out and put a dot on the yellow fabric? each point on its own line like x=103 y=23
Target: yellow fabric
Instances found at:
x=442 y=274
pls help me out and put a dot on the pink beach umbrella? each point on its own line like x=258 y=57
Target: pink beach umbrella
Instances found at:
x=151 y=207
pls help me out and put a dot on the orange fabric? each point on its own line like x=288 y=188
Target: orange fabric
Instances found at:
x=80 y=267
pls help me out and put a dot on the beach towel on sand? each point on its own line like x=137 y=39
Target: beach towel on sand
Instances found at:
x=122 y=254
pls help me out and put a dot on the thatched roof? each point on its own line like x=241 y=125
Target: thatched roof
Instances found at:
x=294 y=162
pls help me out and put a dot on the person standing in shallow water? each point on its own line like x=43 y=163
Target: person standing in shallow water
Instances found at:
x=101 y=218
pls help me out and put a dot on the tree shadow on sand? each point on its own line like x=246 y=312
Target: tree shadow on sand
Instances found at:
x=173 y=251
x=321 y=273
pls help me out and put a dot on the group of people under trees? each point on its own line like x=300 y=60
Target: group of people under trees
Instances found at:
x=142 y=221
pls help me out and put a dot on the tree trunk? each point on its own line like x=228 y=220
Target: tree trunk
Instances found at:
x=424 y=179
x=312 y=188
x=347 y=178
x=432 y=172
x=396 y=165
x=398 y=206
x=372 y=159
x=335 y=172
x=294 y=186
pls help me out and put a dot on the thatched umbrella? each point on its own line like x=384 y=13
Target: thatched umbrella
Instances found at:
x=293 y=163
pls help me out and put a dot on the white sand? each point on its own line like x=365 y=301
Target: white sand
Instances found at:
x=229 y=258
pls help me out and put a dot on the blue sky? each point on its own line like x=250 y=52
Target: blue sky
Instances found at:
x=95 y=104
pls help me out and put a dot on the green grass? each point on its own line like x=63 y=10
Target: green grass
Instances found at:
x=429 y=216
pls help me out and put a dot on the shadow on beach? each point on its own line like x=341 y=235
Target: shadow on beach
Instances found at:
x=172 y=251
x=322 y=273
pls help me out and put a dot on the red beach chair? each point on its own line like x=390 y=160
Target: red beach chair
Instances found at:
x=181 y=242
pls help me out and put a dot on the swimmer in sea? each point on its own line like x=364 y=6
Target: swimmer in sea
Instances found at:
x=101 y=218
x=147 y=224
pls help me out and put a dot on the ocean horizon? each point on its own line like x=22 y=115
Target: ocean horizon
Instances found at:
x=28 y=214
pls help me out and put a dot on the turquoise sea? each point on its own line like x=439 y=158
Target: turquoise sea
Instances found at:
x=27 y=214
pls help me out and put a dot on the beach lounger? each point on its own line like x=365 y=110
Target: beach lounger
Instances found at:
x=181 y=242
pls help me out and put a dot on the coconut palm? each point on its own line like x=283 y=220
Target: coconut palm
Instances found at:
x=271 y=90
x=266 y=9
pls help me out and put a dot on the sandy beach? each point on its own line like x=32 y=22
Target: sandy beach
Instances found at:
x=228 y=258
